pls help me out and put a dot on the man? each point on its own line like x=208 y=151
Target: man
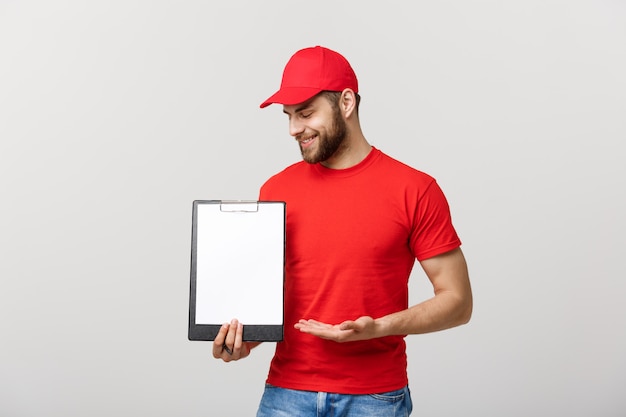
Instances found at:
x=356 y=222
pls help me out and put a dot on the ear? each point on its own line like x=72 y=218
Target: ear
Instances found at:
x=347 y=102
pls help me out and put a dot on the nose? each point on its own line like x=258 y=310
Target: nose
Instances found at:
x=295 y=127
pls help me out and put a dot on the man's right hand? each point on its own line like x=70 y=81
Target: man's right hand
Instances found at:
x=229 y=345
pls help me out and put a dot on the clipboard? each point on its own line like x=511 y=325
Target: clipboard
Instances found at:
x=237 y=268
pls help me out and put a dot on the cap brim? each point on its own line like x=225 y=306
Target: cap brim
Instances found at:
x=291 y=95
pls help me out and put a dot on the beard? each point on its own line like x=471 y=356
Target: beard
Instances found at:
x=328 y=143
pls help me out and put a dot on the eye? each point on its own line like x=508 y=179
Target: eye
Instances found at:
x=306 y=115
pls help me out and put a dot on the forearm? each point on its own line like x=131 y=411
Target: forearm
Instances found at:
x=445 y=310
x=451 y=306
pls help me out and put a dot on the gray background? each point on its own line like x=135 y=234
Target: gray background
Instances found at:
x=115 y=115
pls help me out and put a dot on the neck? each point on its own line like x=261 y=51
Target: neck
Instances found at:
x=354 y=149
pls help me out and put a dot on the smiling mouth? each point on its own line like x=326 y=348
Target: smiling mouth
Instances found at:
x=307 y=141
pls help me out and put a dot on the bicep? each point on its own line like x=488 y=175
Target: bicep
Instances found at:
x=448 y=273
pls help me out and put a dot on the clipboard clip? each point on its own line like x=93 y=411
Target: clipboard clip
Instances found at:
x=239 y=206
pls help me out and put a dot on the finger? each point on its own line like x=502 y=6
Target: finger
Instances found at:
x=348 y=325
x=315 y=324
x=218 y=342
x=238 y=342
x=312 y=322
x=304 y=325
x=229 y=342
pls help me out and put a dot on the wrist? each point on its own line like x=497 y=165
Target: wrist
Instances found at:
x=382 y=326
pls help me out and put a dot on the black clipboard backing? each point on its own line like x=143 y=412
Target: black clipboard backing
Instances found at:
x=237 y=268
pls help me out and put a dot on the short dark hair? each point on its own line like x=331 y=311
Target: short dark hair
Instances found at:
x=334 y=96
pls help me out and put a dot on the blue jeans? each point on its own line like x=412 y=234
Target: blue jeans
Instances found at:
x=281 y=402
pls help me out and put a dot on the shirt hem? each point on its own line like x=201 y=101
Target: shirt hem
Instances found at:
x=339 y=390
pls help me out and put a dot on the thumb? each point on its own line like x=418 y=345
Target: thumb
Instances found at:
x=347 y=325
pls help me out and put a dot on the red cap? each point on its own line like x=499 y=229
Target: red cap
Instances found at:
x=311 y=71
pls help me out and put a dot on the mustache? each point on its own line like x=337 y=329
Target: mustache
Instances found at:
x=304 y=136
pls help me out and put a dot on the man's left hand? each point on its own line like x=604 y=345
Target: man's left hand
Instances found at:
x=362 y=328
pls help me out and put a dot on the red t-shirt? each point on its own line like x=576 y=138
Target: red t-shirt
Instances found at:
x=352 y=239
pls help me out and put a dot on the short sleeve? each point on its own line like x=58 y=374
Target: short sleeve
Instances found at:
x=433 y=233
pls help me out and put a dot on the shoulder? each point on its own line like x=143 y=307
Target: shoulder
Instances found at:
x=285 y=177
x=293 y=169
x=402 y=171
